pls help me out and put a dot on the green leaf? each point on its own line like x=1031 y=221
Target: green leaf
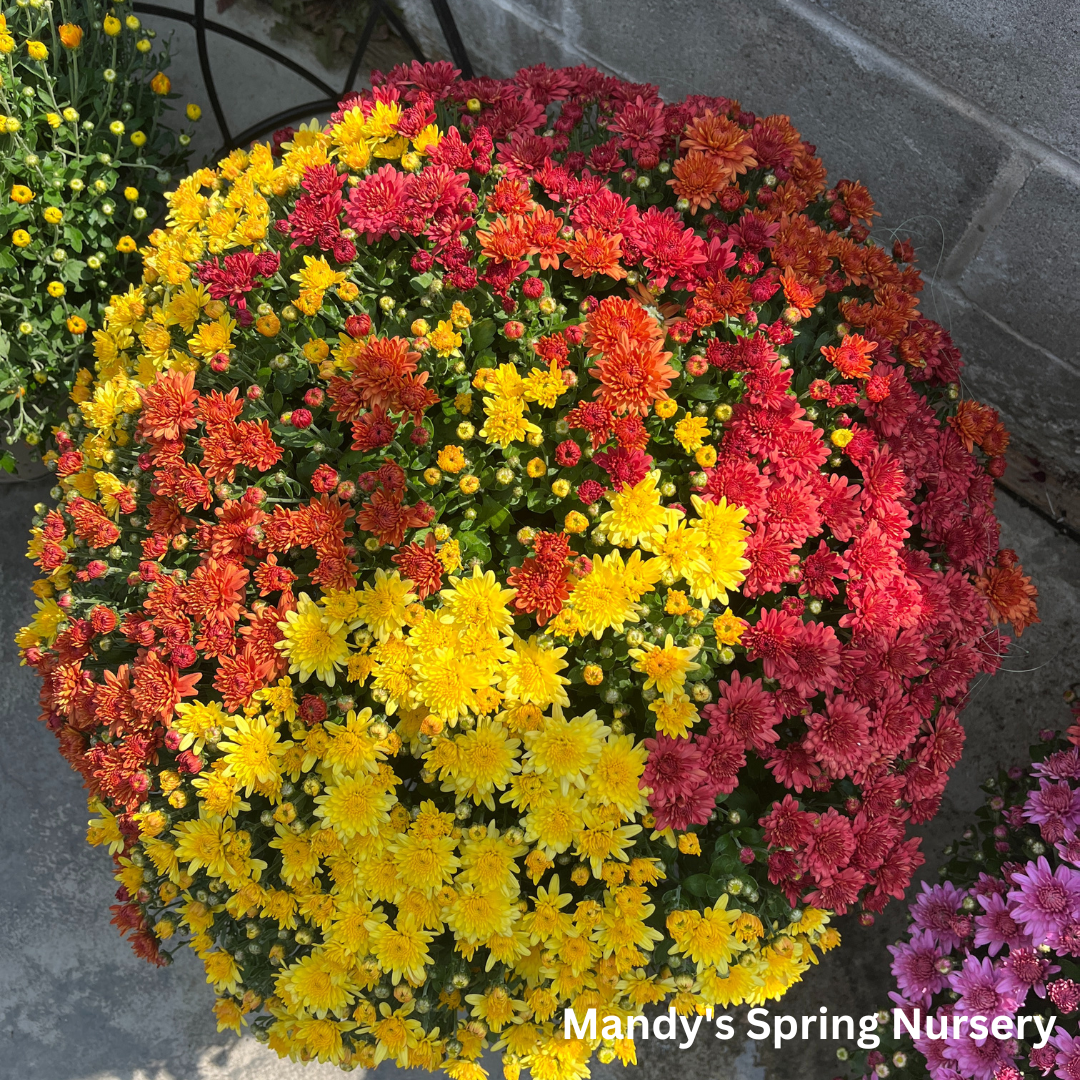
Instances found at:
x=698 y=884
x=482 y=334
x=492 y=514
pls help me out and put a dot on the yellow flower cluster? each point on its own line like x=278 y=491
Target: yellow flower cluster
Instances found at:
x=356 y=848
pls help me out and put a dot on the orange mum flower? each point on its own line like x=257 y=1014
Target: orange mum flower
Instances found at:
x=698 y=179
x=216 y=591
x=593 y=252
x=973 y=422
x=159 y=687
x=632 y=376
x=803 y=298
x=722 y=139
x=857 y=200
x=615 y=318
x=544 y=239
x=506 y=240
x=238 y=677
x=1010 y=592
x=168 y=406
x=851 y=357
x=380 y=368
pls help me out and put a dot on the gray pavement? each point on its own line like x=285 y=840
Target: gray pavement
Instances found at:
x=76 y=1004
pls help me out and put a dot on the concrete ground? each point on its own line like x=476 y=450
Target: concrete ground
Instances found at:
x=76 y=1004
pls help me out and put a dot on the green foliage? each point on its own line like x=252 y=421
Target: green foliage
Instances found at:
x=85 y=159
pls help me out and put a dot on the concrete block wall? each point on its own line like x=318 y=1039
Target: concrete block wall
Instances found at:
x=961 y=116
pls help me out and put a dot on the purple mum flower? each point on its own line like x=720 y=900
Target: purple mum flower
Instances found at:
x=937 y=909
x=1063 y=765
x=1043 y=1059
x=1045 y=900
x=989 y=886
x=934 y=1052
x=996 y=927
x=1055 y=808
x=1067 y=1058
x=1024 y=970
x=981 y=989
x=1068 y=848
x=977 y=1061
x=915 y=967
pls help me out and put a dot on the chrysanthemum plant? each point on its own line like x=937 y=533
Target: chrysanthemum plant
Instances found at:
x=84 y=161
x=523 y=548
x=998 y=938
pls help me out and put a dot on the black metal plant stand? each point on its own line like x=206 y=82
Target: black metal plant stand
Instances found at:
x=380 y=9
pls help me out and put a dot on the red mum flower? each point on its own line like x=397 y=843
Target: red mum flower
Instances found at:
x=829 y=845
x=698 y=179
x=373 y=430
x=745 y=713
x=786 y=825
x=839 y=738
x=377 y=204
x=272 y=578
x=542 y=587
x=216 y=591
x=722 y=759
x=722 y=140
x=239 y=676
x=421 y=566
x=623 y=466
x=802 y=298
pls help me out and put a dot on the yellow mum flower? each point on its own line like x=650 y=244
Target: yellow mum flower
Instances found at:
x=614 y=779
x=566 y=750
x=477 y=605
x=554 y=822
x=252 y=751
x=445 y=339
x=309 y=644
x=636 y=517
x=545 y=387
x=201 y=843
x=383 y=607
x=729 y=628
x=675 y=717
x=451 y=459
x=601 y=600
x=691 y=432
x=506 y=423
x=354 y=806
x=666 y=666
x=402 y=949
x=486 y=758
x=425 y=863
x=315 y=984
x=531 y=675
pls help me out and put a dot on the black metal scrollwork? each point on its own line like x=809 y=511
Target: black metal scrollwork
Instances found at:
x=330 y=97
